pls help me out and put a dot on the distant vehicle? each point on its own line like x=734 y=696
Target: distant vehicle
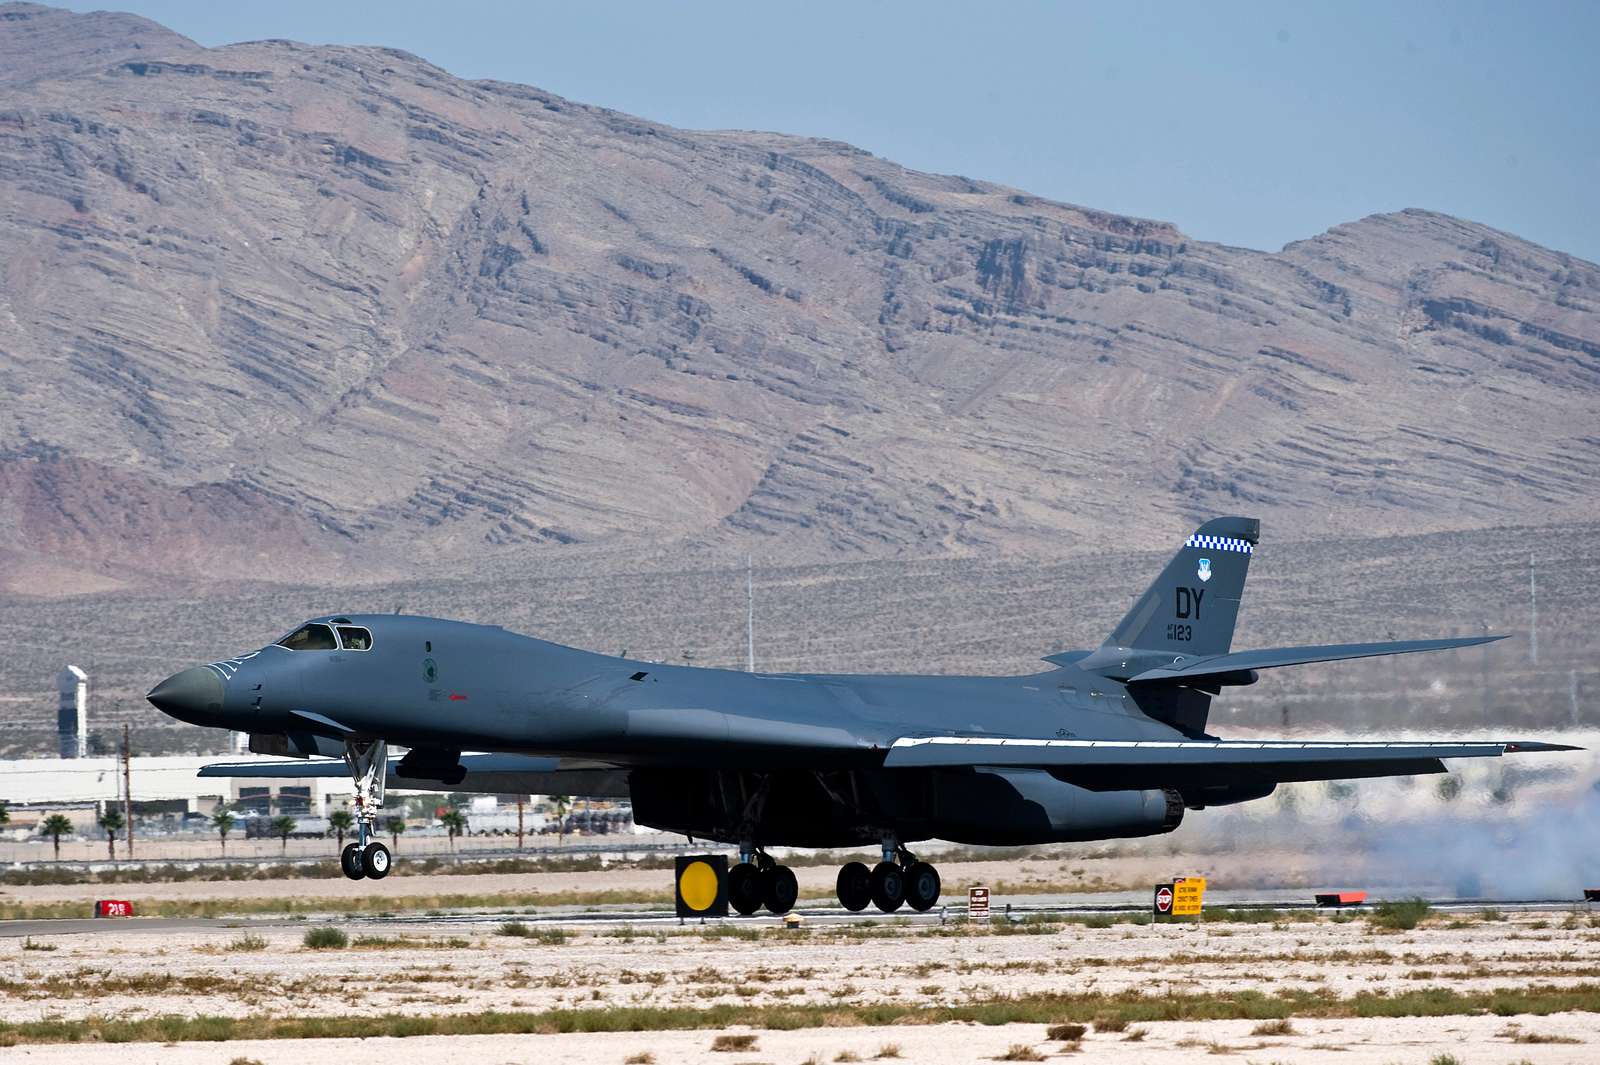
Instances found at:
x=1107 y=743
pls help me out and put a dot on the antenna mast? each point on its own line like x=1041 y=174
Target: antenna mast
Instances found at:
x=749 y=615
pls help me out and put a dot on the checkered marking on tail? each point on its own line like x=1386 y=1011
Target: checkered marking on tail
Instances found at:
x=1219 y=543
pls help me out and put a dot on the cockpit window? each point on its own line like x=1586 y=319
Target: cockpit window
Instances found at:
x=310 y=638
x=354 y=638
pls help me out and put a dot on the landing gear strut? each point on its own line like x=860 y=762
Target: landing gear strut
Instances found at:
x=899 y=879
x=759 y=881
x=368 y=761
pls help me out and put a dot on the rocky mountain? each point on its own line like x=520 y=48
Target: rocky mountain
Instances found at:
x=330 y=314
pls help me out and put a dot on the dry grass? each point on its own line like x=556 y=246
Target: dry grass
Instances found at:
x=1281 y=1026
x=1020 y=1052
x=1540 y=1037
x=644 y=1057
x=1111 y=1011
x=733 y=1042
x=887 y=1051
x=1066 y=1033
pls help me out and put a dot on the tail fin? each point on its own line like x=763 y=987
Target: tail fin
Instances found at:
x=1191 y=608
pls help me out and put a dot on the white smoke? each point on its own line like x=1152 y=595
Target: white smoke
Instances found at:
x=1520 y=827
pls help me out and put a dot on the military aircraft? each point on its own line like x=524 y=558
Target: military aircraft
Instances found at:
x=1105 y=743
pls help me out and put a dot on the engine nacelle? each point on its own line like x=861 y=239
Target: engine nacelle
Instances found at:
x=1027 y=806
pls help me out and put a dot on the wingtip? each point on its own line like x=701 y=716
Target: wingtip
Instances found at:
x=1538 y=747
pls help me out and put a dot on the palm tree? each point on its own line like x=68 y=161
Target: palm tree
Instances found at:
x=282 y=825
x=223 y=821
x=55 y=826
x=455 y=823
x=562 y=804
x=112 y=822
x=341 y=821
x=395 y=825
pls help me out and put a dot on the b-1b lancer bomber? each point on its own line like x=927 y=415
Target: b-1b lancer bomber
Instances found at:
x=1106 y=743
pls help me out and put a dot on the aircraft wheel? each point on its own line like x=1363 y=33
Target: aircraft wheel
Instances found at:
x=375 y=859
x=350 y=861
x=888 y=886
x=922 y=886
x=855 y=887
x=744 y=888
x=779 y=889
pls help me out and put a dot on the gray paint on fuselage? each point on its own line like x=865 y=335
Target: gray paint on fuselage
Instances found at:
x=497 y=690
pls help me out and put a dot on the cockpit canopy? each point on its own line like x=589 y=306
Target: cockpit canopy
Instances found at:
x=319 y=636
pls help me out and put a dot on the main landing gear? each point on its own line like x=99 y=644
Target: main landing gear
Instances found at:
x=897 y=880
x=759 y=881
x=366 y=858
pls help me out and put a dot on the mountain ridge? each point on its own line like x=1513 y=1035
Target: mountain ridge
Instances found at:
x=272 y=307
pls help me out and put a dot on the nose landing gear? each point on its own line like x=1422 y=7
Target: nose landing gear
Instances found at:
x=369 y=762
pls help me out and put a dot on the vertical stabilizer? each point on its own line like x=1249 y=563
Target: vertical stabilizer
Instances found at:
x=1191 y=607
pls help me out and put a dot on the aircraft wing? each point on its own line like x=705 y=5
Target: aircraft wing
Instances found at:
x=1117 y=765
x=1270 y=657
x=492 y=773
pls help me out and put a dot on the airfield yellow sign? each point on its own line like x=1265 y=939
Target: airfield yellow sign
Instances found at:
x=1188 y=894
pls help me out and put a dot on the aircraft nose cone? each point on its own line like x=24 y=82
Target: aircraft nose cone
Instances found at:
x=194 y=695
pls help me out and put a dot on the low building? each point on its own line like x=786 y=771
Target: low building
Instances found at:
x=35 y=787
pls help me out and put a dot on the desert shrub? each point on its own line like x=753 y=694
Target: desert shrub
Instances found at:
x=326 y=939
x=1400 y=914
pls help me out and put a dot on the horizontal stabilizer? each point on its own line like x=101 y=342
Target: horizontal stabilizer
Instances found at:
x=1241 y=661
x=1113 y=765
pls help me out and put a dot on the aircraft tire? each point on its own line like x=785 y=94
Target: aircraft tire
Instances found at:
x=922 y=886
x=350 y=862
x=376 y=861
x=854 y=887
x=779 y=889
x=888 y=886
x=744 y=888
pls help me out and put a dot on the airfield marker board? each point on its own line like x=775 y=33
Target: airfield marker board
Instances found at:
x=978 y=904
x=701 y=885
x=1188 y=895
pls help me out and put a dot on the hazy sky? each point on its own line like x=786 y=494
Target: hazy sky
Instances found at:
x=1251 y=124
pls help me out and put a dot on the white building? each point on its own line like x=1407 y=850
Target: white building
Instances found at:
x=32 y=785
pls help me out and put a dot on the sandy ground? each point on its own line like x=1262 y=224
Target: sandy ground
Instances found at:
x=1409 y=1041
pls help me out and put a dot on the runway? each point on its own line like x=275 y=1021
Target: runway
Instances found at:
x=1108 y=904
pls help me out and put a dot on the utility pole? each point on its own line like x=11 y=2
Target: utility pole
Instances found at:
x=520 y=803
x=127 y=785
x=749 y=615
x=1533 y=612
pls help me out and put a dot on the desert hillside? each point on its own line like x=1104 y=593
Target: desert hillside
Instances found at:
x=328 y=314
